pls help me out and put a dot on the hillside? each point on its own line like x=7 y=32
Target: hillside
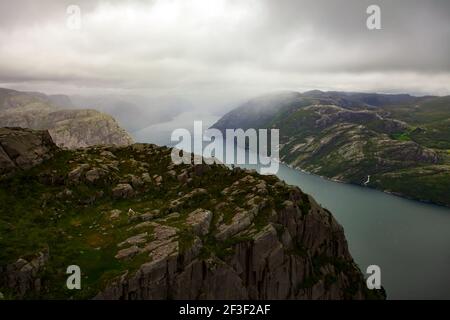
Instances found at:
x=68 y=128
x=140 y=227
x=402 y=142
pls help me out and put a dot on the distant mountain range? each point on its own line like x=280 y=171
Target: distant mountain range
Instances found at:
x=397 y=143
x=70 y=128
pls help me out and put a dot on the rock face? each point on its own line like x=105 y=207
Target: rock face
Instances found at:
x=68 y=128
x=23 y=149
x=265 y=266
x=23 y=275
x=218 y=234
x=200 y=221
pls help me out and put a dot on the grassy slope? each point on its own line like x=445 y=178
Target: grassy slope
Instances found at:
x=79 y=231
x=428 y=124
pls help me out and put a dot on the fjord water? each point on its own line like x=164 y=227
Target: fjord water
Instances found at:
x=408 y=240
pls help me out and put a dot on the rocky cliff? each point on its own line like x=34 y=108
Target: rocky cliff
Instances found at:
x=140 y=227
x=68 y=128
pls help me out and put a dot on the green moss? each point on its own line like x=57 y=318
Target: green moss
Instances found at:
x=305 y=205
x=404 y=136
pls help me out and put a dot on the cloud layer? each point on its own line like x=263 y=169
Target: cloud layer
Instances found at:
x=218 y=50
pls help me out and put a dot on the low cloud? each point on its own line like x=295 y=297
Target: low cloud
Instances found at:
x=214 y=52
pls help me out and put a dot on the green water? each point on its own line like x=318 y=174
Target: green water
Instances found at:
x=409 y=240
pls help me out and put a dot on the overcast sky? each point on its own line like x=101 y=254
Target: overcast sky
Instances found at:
x=216 y=50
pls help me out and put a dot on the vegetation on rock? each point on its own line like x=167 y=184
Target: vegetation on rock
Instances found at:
x=400 y=141
x=141 y=227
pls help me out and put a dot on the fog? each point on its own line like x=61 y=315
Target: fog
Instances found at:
x=212 y=54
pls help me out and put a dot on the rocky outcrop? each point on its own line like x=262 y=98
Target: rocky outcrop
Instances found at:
x=68 y=128
x=267 y=265
x=23 y=275
x=123 y=190
x=200 y=221
x=22 y=149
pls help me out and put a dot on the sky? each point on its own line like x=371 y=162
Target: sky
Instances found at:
x=214 y=52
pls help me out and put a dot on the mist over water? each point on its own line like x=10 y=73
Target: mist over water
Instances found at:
x=160 y=133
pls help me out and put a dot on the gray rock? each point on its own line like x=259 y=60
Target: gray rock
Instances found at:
x=76 y=174
x=163 y=251
x=137 y=239
x=115 y=214
x=136 y=182
x=22 y=149
x=23 y=275
x=240 y=221
x=127 y=253
x=200 y=221
x=93 y=175
x=162 y=232
x=123 y=190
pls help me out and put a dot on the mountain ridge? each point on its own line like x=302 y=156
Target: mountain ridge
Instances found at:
x=401 y=141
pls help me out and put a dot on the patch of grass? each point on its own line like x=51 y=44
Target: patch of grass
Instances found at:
x=404 y=136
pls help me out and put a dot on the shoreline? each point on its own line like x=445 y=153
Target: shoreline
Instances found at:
x=392 y=193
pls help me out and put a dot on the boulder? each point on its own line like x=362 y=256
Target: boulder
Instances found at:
x=123 y=190
x=22 y=149
x=127 y=253
x=115 y=214
x=200 y=221
x=93 y=175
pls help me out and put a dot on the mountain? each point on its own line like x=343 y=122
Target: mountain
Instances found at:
x=69 y=128
x=140 y=227
x=396 y=143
